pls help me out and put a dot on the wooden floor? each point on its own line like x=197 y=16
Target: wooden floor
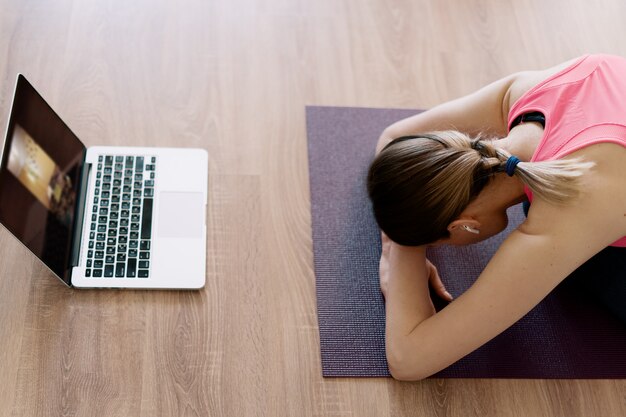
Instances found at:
x=234 y=76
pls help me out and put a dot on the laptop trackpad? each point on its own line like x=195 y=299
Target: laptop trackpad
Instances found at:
x=181 y=215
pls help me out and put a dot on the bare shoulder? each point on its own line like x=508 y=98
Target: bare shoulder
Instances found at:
x=525 y=80
x=601 y=205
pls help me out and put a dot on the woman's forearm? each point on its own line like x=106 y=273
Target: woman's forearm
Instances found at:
x=408 y=302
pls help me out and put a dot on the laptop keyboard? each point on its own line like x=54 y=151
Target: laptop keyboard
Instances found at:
x=121 y=223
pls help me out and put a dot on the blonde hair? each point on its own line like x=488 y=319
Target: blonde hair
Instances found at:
x=419 y=184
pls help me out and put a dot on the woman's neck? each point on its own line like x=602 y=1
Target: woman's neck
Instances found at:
x=522 y=140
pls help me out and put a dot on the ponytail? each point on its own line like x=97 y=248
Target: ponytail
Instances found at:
x=556 y=181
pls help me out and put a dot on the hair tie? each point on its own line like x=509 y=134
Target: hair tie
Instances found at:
x=511 y=163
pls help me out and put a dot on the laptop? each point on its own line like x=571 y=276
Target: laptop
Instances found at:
x=102 y=217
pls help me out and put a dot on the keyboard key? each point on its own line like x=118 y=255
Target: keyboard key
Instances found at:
x=119 y=269
x=108 y=271
x=133 y=244
x=144 y=255
x=144 y=264
x=132 y=253
x=99 y=245
x=134 y=236
x=131 y=268
x=149 y=192
x=108 y=160
x=98 y=264
x=119 y=159
x=143 y=273
x=88 y=273
x=145 y=245
x=97 y=273
x=139 y=163
x=99 y=254
x=89 y=262
x=146 y=219
x=110 y=250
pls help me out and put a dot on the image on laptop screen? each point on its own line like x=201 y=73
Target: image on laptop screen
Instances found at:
x=39 y=177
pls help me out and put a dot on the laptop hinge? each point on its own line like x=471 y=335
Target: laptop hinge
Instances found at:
x=81 y=197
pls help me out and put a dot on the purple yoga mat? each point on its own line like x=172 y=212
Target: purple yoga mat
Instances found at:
x=566 y=336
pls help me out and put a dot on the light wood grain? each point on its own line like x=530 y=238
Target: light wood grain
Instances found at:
x=234 y=77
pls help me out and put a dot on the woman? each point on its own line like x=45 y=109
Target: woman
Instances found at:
x=558 y=141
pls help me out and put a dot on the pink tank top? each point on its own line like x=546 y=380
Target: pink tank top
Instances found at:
x=583 y=104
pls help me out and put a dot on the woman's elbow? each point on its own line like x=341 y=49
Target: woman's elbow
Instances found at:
x=389 y=134
x=405 y=368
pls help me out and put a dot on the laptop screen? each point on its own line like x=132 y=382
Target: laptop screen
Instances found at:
x=39 y=179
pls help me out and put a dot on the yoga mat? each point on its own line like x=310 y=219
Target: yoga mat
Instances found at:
x=565 y=336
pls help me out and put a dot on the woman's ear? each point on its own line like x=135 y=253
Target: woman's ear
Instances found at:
x=465 y=225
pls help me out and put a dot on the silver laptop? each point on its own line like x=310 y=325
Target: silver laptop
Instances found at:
x=102 y=217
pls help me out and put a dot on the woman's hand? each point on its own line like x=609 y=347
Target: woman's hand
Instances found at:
x=433 y=275
x=436 y=283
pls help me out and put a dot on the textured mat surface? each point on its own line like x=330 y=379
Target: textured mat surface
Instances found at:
x=566 y=336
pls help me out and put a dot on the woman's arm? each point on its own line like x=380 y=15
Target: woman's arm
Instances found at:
x=484 y=111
